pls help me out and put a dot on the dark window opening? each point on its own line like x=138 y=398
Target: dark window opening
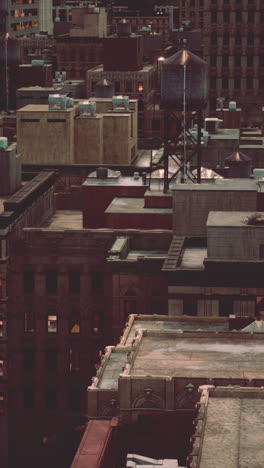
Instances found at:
x=29 y=320
x=29 y=399
x=75 y=399
x=28 y=281
x=51 y=360
x=51 y=282
x=74 y=282
x=74 y=360
x=51 y=400
x=225 y=306
x=29 y=359
x=190 y=306
x=97 y=282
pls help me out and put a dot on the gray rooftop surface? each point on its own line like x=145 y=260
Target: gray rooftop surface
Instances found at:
x=193 y=257
x=233 y=433
x=175 y=355
x=230 y=219
x=64 y=219
x=236 y=185
x=133 y=205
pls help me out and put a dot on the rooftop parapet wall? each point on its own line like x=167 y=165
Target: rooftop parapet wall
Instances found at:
x=229 y=236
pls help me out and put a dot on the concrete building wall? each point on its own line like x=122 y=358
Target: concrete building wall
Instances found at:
x=45 y=136
x=87 y=22
x=117 y=137
x=234 y=242
x=88 y=138
x=45 y=16
x=191 y=207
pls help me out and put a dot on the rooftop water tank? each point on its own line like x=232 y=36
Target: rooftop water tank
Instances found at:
x=239 y=165
x=123 y=28
x=172 y=81
x=104 y=89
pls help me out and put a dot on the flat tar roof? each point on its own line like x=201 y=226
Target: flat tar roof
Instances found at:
x=233 y=433
x=230 y=185
x=133 y=205
x=230 y=219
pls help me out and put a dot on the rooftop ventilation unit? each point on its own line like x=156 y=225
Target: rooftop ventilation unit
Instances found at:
x=87 y=109
x=120 y=103
x=69 y=102
x=212 y=124
x=232 y=105
x=3 y=143
x=57 y=102
x=60 y=76
x=37 y=63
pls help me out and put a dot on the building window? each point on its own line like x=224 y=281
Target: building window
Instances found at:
x=190 y=306
x=74 y=282
x=213 y=82
x=52 y=324
x=225 y=306
x=226 y=38
x=2 y=331
x=140 y=87
x=250 y=38
x=51 y=281
x=213 y=60
x=74 y=360
x=249 y=82
x=2 y=403
x=1 y=288
x=97 y=282
x=51 y=360
x=117 y=86
x=75 y=399
x=29 y=399
x=97 y=323
x=250 y=59
x=155 y=125
x=74 y=322
x=225 y=60
x=226 y=16
x=224 y=82
x=29 y=359
x=213 y=38
x=51 y=400
x=1 y=367
x=214 y=16
x=251 y=16
x=237 y=82
x=238 y=16
x=238 y=38
x=237 y=60
x=28 y=282
x=129 y=86
x=261 y=251
x=29 y=320
x=140 y=105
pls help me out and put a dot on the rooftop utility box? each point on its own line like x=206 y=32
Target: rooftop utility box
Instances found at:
x=87 y=108
x=3 y=143
x=57 y=102
x=120 y=103
x=212 y=124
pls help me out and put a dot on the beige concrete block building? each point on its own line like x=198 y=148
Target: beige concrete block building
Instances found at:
x=46 y=136
x=66 y=137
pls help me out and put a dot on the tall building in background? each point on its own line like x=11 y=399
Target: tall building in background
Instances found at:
x=25 y=18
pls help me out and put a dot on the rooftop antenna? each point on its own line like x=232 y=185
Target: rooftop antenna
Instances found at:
x=6 y=73
x=185 y=57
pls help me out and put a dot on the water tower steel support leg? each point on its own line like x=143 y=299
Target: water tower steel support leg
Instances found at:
x=166 y=153
x=199 y=146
